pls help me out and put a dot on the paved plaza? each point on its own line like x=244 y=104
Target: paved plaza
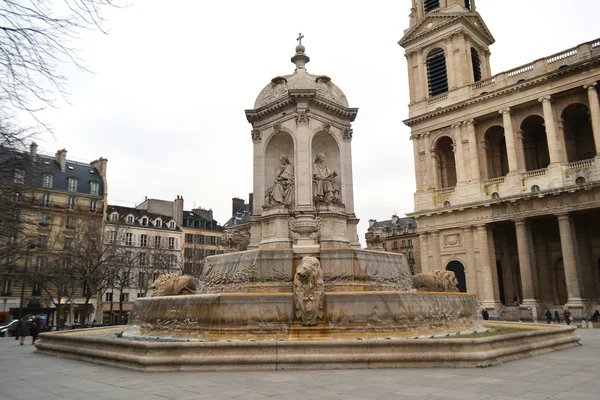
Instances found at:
x=568 y=374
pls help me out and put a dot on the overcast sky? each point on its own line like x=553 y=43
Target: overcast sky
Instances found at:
x=172 y=79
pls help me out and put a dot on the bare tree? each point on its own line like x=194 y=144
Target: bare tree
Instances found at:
x=35 y=37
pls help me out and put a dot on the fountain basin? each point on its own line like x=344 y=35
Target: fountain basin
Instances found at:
x=94 y=346
x=261 y=316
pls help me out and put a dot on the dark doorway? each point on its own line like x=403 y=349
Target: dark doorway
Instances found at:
x=459 y=271
x=501 y=282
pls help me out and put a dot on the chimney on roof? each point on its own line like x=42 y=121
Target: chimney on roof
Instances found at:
x=178 y=210
x=251 y=202
x=61 y=159
x=236 y=204
x=33 y=152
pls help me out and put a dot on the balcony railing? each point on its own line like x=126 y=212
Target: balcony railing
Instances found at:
x=581 y=164
x=539 y=67
x=494 y=181
x=535 y=172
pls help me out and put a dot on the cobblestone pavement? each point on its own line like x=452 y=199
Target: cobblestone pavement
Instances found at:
x=569 y=374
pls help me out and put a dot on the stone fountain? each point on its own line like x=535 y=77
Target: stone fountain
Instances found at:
x=304 y=294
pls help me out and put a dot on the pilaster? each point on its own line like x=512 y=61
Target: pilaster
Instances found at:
x=594 y=112
x=487 y=290
x=474 y=156
x=553 y=145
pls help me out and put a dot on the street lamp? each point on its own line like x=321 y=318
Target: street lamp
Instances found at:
x=30 y=246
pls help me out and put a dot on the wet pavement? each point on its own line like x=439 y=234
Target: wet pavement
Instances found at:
x=569 y=374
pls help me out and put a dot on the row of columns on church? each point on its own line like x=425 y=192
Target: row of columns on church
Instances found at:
x=467 y=159
x=480 y=259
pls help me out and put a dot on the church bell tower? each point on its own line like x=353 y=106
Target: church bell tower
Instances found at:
x=447 y=48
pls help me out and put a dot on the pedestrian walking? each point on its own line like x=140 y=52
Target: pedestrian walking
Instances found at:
x=568 y=317
x=23 y=328
x=34 y=329
x=548 y=316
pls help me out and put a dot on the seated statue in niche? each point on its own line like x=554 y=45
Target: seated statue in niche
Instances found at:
x=282 y=192
x=325 y=190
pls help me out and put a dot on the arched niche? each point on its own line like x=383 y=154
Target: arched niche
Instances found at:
x=579 y=136
x=279 y=144
x=323 y=142
x=497 y=159
x=535 y=143
x=446 y=164
x=459 y=271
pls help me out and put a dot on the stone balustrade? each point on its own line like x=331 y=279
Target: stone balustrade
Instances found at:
x=493 y=181
x=537 y=68
x=580 y=164
x=535 y=172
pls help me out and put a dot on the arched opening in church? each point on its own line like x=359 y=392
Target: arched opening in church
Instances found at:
x=501 y=282
x=437 y=73
x=279 y=184
x=579 y=136
x=446 y=172
x=476 y=62
x=326 y=162
x=497 y=159
x=431 y=5
x=535 y=143
x=459 y=271
x=560 y=288
x=468 y=4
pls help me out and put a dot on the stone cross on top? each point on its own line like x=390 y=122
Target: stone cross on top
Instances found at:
x=300 y=37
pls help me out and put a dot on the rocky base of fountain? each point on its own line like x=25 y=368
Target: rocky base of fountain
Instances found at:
x=275 y=355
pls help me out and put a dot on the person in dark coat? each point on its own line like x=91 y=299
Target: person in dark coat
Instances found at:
x=567 y=315
x=23 y=328
x=556 y=317
x=485 y=314
x=34 y=329
x=548 y=316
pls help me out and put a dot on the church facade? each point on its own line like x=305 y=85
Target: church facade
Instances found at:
x=507 y=165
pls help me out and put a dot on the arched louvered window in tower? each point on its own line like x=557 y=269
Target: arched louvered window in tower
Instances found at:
x=468 y=4
x=437 y=75
x=476 y=65
x=431 y=5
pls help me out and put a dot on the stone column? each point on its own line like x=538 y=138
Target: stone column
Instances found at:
x=418 y=168
x=541 y=256
x=436 y=263
x=471 y=267
x=521 y=164
x=428 y=162
x=594 y=112
x=525 y=262
x=560 y=131
x=433 y=166
x=487 y=290
x=424 y=252
x=460 y=156
x=553 y=146
x=474 y=155
x=509 y=135
x=568 y=253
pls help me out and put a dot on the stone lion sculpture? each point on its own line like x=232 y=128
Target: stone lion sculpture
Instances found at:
x=237 y=240
x=309 y=291
x=172 y=285
x=436 y=281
